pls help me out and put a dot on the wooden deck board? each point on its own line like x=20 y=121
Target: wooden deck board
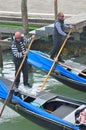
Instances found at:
x=75 y=65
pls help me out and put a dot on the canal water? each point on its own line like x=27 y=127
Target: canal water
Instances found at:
x=10 y=120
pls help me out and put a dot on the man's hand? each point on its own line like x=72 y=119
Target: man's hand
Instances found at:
x=25 y=53
x=72 y=27
x=68 y=36
x=33 y=37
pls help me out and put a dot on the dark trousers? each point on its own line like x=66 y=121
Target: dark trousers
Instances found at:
x=24 y=70
x=57 y=42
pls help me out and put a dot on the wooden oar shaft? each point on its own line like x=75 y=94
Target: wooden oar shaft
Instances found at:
x=78 y=71
x=48 y=76
x=10 y=92
x=55 y=61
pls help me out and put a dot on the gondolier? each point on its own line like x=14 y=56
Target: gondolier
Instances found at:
x=18 y=51
x=58 y=35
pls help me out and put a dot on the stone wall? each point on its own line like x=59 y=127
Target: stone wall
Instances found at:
x=5 y=45
x=72 y=48
x=75 y=46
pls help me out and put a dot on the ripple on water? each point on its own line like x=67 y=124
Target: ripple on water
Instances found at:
x=7 y=114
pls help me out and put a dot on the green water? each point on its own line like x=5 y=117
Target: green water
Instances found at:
x=19 y=123
x=13 y=121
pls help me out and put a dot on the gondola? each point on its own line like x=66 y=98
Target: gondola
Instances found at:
x=46 y=109
x=70 y=73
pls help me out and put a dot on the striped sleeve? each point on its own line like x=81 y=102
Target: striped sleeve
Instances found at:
x=26 y=41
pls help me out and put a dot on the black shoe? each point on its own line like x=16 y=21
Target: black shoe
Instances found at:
x=61 y=61
x=15 y=88
x=28 y=85
x=16 y=85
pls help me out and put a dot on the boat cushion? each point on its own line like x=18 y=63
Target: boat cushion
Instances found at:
x=63 y=110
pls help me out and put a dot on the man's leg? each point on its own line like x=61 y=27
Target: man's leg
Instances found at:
x=25 y=74
x=56 y=47
x=17 y=65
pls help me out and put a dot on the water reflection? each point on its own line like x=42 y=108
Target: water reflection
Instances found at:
x=8 y=115
x=8 y=66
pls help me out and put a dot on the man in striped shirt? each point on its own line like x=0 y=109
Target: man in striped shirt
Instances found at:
x=18 y=51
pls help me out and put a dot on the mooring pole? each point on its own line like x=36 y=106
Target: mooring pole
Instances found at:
x=1 y=59
x=55 y=8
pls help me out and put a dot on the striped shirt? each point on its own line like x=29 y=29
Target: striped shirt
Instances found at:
x=18 y=47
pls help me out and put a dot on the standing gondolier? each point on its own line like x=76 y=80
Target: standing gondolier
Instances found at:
x=58 y=34
x=18 y=51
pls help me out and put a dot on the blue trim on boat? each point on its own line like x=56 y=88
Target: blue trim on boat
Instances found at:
x=41 y=60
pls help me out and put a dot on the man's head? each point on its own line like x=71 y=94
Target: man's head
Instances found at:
x=60 y=16
x=18 y=36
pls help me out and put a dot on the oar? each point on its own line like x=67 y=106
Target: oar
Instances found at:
x=11 y=92
x=76 y=70
x=55 y=61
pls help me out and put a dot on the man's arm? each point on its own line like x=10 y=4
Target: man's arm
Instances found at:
x=58 y=27
x=27 y=40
